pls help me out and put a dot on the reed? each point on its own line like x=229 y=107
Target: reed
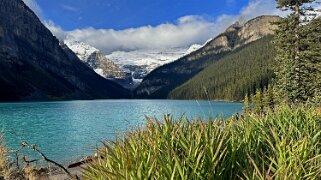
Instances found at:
x=285 y=144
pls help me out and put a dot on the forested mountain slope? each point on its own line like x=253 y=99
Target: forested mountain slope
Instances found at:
x=160 y=82
x=233 y=76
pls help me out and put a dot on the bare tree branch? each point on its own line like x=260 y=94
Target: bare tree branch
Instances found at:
x=34 y=147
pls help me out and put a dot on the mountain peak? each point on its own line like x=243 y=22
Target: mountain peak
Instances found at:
x=161 y=81
x=81 y=49
x=257 y=28
x=34 y=65
x=234 y=27
x=238 y=35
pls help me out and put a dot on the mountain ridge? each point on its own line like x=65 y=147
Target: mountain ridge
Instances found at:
x=126 y=68
x=34 y=66
x=160 y=82
x=240 y=73
x=96 y=60
x=142 y=62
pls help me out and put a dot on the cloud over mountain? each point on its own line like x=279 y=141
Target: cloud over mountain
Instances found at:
x=32 y=4
x=185 y=31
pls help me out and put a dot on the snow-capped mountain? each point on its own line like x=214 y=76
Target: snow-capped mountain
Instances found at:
x=142 y=62
x=81 y=49
x=96 y=60
x=193 y=48
x=127 y=68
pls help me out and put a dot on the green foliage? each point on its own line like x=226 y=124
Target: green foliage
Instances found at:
x=233 y=76
x=290 y=67
x=257 y=101
x=290 y=3
x=282 y=145
x=312 y=59
x=298 y=48
x=246 y=106
x=268 y=99
x=263 y=102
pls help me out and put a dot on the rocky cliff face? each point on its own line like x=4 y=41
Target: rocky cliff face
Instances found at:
x=142 y=62
x=97 y=61
x=33 y=65
x=126 y=68
x=106 y=67
x=161 y=81
x=238 y=35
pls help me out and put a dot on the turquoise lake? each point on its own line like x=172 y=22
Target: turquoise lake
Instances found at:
x=69 y=130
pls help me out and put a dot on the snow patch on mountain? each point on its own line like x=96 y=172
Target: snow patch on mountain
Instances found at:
x=97 y=61
x=81 y=49
x=150 y=58
x=136 y=64
x=100 y=72
x=193 y=48
x=142 y=62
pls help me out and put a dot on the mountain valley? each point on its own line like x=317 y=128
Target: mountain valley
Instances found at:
x=78 y=70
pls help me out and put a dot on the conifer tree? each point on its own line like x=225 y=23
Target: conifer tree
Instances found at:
x=246 y=107
x=292 y=74
x=252 y=99
x=257 y=101
x=265 y=99
x=312 y=56
x=268 y=98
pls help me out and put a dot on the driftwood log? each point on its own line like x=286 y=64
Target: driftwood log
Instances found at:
x=83 y=161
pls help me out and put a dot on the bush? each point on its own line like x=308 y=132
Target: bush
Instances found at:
x=282 y=145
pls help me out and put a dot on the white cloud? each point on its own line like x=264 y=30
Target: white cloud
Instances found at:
x=261 y=7
x=33 y=5
x=186 y=31
x=56 y=30
x=69 y=8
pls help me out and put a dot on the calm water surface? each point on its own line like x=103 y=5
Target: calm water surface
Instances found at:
x=66 y=131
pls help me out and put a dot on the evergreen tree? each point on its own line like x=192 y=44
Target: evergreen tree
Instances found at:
x=246 y=107
x=292 y=74
x=238 y=73
x=257 y=102
x=312 y=56
x=271 y=97
x=265 y=99
x=268 y=98
x=252 y=99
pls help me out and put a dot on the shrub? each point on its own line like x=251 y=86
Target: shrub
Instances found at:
x=282 y=145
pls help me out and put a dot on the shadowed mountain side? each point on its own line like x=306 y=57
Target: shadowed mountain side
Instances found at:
x=34 y=66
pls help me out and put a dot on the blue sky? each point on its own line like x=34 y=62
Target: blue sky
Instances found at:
x=123 y=14
x=126 y=25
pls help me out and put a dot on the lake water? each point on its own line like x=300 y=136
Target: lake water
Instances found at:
x=69 y=130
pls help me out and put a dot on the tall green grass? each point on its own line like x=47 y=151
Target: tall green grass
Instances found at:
x=285 y=144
